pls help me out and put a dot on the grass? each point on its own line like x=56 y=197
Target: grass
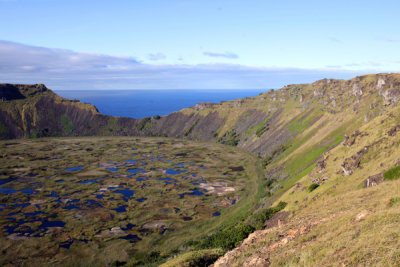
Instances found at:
x=393 y=201
x=392 y=174
x=195 y=258
x=299 y=126
x=358 y=223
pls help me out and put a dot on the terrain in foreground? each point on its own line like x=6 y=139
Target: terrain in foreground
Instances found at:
x=91 y=201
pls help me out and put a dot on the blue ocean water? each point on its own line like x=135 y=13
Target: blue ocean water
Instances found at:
x=147 y=103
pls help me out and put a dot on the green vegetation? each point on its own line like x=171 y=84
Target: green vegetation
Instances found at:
x=195 y=258
x=230 y=235
x=260 y=128
x=393 y=201
x=392 y=174
x=144 y=124
x=229 y=138
x=66 y=122
x=312 y=187
x=300 y=123
x=191 y=127
x=279 y=150
x=157 y=117
x=258 y=219
x=159 y=217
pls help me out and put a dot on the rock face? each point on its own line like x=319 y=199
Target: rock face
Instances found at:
x=373 y=180
x=357 y=91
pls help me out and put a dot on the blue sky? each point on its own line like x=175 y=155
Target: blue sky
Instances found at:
x=70 y=44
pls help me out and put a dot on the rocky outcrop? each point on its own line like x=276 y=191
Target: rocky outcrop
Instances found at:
x=204 y=105
x=350 y=140
x=373 y=180
x=393 y=131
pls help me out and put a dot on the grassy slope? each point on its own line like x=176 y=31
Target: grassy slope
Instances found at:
x=340 y=222
x=320 y=128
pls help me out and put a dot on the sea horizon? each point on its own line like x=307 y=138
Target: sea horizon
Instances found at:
x=141 y=103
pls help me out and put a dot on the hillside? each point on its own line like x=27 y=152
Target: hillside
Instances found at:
x=320 y=144
x=345 y=212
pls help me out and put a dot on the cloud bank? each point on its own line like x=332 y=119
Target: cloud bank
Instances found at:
x=66 y=69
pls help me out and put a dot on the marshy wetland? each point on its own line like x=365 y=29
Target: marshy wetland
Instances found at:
x=80 y=201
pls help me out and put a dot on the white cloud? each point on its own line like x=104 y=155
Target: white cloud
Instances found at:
x=65 y=69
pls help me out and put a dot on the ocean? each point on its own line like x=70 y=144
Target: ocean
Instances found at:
x=147 y=103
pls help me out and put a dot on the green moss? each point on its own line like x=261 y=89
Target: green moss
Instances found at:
x=392 y=174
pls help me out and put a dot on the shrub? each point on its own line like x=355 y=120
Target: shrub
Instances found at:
x=392 y=174
x=230 y=235
x=259 y=219
x=144 y=124
x=312 y=187
x=227 y=237
x=229 y=138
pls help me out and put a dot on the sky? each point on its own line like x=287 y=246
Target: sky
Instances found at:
x=182 y=44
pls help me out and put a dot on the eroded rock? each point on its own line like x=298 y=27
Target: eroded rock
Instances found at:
x=357 y=90
x=373 y=180
x=350 y=140
x=394 y=130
